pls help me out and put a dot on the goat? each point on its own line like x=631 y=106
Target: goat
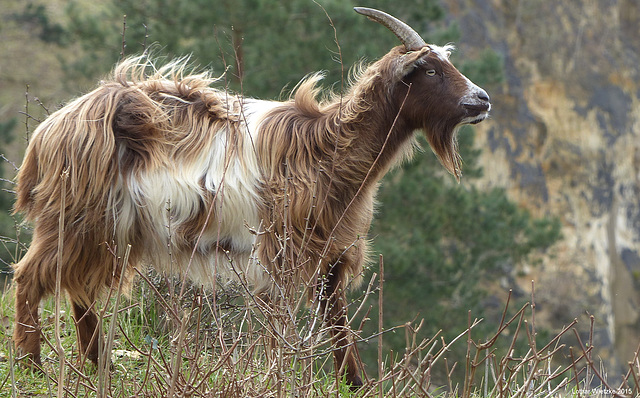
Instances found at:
x=249 y=187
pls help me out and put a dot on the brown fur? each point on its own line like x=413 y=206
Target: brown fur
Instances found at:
x=139 y=116
x=322 y=183
x=319 y=161
x=348 y=144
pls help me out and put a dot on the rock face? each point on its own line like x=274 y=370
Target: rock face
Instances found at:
x=564 y=139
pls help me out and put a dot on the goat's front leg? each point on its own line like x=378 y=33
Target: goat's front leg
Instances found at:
x=334 y=305
x=87 y=328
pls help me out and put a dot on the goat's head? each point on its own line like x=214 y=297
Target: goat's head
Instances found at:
x=436 y=97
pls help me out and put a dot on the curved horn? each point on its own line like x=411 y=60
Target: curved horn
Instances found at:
x=409 y=37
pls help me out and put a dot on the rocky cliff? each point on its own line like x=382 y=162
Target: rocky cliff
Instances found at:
x=564 y=140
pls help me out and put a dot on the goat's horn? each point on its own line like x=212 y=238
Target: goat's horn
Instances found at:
x=409 y=37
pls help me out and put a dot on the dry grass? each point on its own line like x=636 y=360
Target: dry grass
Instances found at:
x=231 y=345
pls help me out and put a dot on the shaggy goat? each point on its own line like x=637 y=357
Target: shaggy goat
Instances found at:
x=249 y=187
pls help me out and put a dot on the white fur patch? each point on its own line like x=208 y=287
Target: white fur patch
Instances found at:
x=443 y=52
x=169 y=198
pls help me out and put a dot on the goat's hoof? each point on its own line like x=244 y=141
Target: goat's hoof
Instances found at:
x=355 y=384
x=29 y=361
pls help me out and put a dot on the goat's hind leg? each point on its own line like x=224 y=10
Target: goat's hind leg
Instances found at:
x=26 y=333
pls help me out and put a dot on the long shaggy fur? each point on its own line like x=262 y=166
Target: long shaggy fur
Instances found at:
x=213 y=185
x=116 y=143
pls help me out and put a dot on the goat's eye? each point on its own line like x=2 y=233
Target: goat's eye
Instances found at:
x=431 y=72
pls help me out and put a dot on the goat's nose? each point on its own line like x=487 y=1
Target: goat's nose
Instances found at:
x=482 y=95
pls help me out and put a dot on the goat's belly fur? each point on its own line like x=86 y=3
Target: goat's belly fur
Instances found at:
x=200 y=213
x=205 y=234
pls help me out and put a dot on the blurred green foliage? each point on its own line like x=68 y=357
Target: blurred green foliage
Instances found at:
x=7 y=223
x=265 y=45
x=36 y=17
x=486 y=69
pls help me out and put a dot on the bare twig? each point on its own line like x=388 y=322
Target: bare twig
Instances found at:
x=146 y=36
x=26 y=112
x=380 y=327
x=591 y=365
x=124 y=41
x=58 y=292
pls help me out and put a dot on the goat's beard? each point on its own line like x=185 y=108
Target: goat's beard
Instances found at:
x=444 y=144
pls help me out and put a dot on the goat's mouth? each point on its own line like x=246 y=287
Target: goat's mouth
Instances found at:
x=479 y=118
x=476 y=113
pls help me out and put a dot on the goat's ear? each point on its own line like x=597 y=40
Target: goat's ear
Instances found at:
x=408 y=61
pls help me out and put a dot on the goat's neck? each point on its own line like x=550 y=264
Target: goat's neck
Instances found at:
x=378 y=138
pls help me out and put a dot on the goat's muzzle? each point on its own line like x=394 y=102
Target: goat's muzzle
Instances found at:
x=477 y=108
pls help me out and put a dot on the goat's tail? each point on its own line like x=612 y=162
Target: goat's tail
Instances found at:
x=27 y=180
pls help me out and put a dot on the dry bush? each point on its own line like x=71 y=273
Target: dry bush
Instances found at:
x=172 y=340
